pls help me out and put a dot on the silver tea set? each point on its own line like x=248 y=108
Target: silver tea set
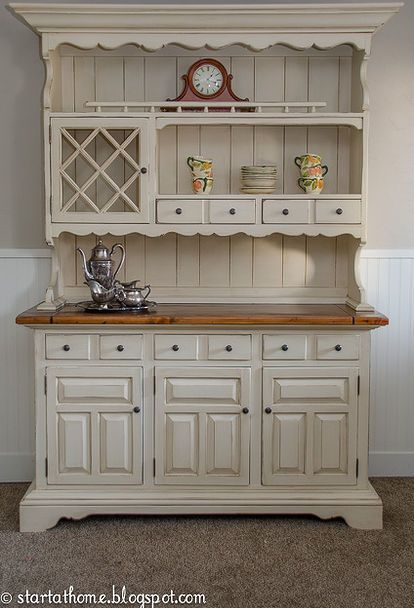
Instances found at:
x=109 y=294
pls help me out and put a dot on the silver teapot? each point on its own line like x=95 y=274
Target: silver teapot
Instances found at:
x=129 y=294
x=100 y=266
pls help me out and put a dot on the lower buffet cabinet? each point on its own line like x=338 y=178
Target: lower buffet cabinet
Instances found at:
x=268 y=432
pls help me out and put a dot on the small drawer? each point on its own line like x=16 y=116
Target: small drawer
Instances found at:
x=286 y=211
x=120 y=347
x=338 y=212
x=176 y=347
x=68 y=346
x=337 y=347
x=180 y=212
x=284 y=347
x=232 y=212
x=229 y=347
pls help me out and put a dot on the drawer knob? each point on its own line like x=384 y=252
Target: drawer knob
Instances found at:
x=285 y=211
x=178 y=211
x=137 y=409
x=245 y=410
x=120 y=348
x=229 y=348
x=339 y=211
x=144 y=170
x=268 y=410
x=175 y=347
x=338 y=347
x=232 y=211
x=66 y=347
x=285 y=347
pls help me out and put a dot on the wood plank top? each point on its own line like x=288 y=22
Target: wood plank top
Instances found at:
x=211 y=314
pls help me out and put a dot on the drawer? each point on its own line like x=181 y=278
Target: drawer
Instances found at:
x=337 y=347
x=180 y=212
x=338 y=212
x=284 y=347
x=175 y=347
x=120 y=347
x=233 y=212
x=229 y=347
x=68 y=346
x=286 y=212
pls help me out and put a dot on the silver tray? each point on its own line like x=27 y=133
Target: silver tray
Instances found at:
x=90 y=306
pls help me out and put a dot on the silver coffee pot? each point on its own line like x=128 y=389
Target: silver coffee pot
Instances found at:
x=100 y=266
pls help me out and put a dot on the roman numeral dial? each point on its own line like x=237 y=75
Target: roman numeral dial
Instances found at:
x=207 y=80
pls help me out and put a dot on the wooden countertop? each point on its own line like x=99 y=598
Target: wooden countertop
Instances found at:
x=211 y=314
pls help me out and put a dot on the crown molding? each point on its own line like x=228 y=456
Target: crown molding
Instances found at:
x=193 y=26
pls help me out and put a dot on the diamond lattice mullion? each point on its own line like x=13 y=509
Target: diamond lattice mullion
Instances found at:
x=80 y=192
x=78 y=147
x=121 y=193
x=121 y=147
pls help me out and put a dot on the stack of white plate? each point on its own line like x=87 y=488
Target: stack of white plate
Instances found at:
x=258 y=179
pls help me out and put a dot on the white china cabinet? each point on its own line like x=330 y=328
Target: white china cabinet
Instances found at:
x=247 y=391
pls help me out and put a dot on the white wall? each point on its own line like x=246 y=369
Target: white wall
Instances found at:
x=389 y=272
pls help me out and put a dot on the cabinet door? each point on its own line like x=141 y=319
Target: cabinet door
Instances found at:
x=93 y=428
x=202 y=434
x=309 y=426
x=100 y=170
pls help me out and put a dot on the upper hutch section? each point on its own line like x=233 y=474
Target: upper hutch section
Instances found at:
x=117 y=156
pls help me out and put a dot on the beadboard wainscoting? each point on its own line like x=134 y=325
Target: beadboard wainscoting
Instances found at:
x=388 y=276
x=24 y=274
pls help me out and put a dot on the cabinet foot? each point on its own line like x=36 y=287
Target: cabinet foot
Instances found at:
x=38 y=519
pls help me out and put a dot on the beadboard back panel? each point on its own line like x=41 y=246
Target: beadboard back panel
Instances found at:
x=278 y=73
x=212 y=268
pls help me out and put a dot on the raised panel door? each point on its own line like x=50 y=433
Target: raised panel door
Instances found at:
x=309 y=426
x=94 y=425
x=202 y=425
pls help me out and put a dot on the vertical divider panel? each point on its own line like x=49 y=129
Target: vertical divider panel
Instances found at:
x=67 y=67
x=167 y=160
x=214 y=261
x=188 y=260
x=267 y=262
x=134 y=85
x=241 y=260
x=135 y=260
x=161 y=260
x=320 y=261
x=294 y=261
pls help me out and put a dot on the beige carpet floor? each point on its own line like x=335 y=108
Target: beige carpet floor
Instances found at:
x=249 y=562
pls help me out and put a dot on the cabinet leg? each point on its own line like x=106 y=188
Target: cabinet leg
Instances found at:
x=38 y=519
x=364 y=517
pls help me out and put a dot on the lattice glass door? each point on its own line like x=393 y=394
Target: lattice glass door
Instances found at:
x=99 y=170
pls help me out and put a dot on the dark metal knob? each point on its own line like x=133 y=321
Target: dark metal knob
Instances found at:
x=66 y=347
x=339 y=211
x=144 y=170
x=175 y=347
x=229 y=348
x=338 y=347
x=178 y=211
x=285 y=211
x=285 y=347
x=245 y=410
x=120 y=348
x=268 y=410
x=232 y=211
x=137 y=409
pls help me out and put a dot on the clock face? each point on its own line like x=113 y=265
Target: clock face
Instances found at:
x=207 y=80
